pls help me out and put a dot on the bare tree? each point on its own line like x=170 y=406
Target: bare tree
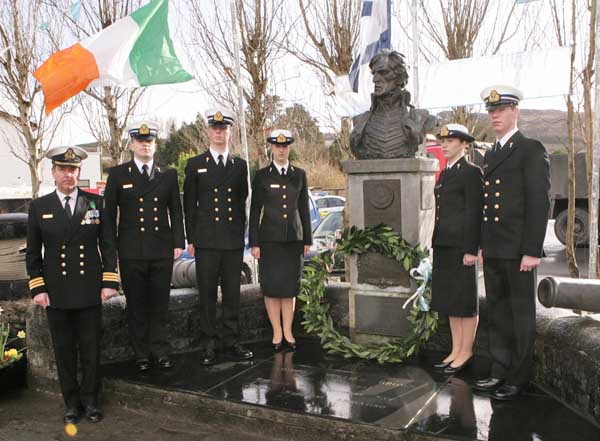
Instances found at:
x=259 y=24
x=115 y=104
x=25 y=46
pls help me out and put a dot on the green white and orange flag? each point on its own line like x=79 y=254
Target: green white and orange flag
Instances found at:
x=134 y=51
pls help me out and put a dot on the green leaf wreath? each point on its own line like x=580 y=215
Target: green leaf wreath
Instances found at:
x=378 y=239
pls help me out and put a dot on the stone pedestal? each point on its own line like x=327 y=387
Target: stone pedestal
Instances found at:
x=398 y=193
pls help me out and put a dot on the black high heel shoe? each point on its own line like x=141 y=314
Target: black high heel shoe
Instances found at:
x=277 y=346
x=442 y=365
x=450 y=370
x=292 y=346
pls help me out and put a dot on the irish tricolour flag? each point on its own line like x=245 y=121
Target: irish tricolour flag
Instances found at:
x=134 y=51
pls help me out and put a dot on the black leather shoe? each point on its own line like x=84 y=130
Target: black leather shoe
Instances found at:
x=239 y=352
x=291 y=345
x=488 y=384
x=143 y=365
x=72 y=415
x=442 y=365
x=165 y=363
x=209 y=358
x=508 y=392
x=93 y=414
x=451 y=370
x=277 y=347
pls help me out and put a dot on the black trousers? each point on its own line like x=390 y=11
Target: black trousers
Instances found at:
x=214 y=268
x=147 y=286
x=77 y=332
x=510 y=297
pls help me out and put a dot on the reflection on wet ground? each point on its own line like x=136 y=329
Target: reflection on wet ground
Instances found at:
x=397 y=397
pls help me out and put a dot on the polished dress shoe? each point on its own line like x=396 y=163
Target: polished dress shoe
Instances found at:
x=72 y=415
x=291 y=345
x=508 y=392
x=165 y=363
x=93 y=414
x=209 y=358
x=143 y=365
x=451 y=370
x=239 y=352
x=277 y=347
x=488 y=384
x=442 y=365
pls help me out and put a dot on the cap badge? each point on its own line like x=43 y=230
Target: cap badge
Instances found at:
x=144 y=130
x=70 y=155
x=494 y=96
x=281 y=138
x=444 y=131
x=218 y=117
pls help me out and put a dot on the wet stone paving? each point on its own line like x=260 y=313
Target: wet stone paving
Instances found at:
x=398 y=397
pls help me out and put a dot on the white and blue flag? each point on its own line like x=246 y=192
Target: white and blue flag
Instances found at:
x=375 y=34
x=353 y=91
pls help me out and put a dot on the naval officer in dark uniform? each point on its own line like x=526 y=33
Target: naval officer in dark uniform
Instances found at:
x=72 y=269
x=280 y=235
x=455 y=241
x=149 y=236
x=215 y=192
x=515 y=215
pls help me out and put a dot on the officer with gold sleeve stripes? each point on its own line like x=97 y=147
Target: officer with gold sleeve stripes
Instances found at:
x=71 y=278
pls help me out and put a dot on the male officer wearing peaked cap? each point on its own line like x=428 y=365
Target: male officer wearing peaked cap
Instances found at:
x=71 y=278
x=515 y=215
x=149 y=236
x=215 y=192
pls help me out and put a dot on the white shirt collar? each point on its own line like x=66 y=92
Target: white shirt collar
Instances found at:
x=279 y=167
x=506 y=137
x=451 y=164
x=139 y=164
x=73 y=195
x=216 y=154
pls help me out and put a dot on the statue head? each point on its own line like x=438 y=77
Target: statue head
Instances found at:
x=389 y=72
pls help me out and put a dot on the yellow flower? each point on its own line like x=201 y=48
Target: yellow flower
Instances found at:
x=11 y=353
x=21 y=334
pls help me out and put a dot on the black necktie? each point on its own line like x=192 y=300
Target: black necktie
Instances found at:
x=497 y=146
x=68 y=210
x=145 y=174
x=282 y=171
x=220 y=161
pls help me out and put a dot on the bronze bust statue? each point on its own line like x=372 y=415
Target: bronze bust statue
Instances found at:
x=392 y=128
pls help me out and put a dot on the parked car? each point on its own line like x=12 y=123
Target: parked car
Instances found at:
x=324 y=238
x=329 y=203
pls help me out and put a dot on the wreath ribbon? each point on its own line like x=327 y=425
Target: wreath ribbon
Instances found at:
x=421 y=274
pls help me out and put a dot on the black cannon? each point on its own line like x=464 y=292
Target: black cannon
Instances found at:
x=563 y=292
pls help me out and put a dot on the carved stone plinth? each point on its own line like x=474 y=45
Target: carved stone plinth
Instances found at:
x=398 y=193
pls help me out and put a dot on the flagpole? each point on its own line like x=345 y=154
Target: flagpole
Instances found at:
x=241 y=115
x=415 y=49
x=593 y=240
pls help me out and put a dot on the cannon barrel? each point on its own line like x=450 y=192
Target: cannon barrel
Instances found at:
x=184 y=273
x=563 y=292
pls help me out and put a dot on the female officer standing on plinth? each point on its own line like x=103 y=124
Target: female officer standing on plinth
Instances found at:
x=280 y=235
x=455 y=242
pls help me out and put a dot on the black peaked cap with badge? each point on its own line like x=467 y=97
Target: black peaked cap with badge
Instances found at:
x=78 y=259
x=150 y=214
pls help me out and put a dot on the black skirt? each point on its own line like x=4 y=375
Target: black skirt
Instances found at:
x=454 y=285
x=280 y=268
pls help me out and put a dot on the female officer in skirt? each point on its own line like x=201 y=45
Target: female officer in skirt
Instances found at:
x=280 y=235
x=455 y=242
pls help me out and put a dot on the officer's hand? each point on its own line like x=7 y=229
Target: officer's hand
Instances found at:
x=306 y=250
x=191 y=250
x=470 y=259
x=480 y=257
x=255 y=251
x=528 y=263
x=107 y=294
x=42 y=300
x=177 y=253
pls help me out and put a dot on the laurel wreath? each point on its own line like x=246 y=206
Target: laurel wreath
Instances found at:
x=317 y=320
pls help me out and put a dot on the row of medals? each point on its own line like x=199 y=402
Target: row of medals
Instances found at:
x=91 y=217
